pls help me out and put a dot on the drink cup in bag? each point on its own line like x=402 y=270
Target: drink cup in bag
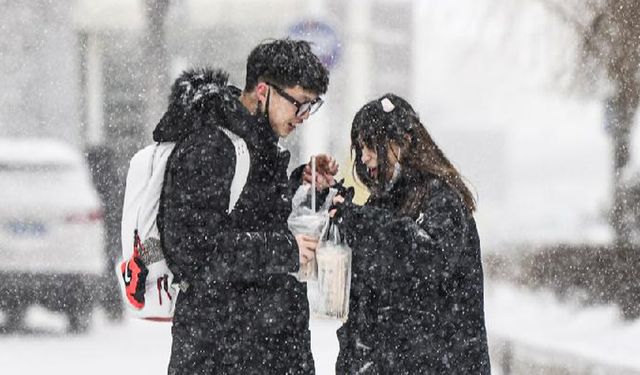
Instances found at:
x=329 y=294
x=306 y=219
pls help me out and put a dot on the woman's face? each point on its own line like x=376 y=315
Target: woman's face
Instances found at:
x=370 y=159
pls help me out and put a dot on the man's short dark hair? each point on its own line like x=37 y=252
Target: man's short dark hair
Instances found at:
x=286 y=63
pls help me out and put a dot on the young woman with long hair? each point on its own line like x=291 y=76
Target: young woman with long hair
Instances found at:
x=416 y=304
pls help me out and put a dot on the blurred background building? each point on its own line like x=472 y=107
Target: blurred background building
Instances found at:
x=117 y=74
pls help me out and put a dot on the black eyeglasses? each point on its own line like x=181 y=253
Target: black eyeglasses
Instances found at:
x=311 y=106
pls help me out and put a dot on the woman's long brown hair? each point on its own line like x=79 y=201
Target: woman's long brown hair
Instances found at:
x=420 y=155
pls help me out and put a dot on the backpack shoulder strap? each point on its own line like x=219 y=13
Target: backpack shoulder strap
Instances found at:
x=243 y=163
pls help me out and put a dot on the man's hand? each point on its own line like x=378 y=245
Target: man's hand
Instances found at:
x=326 y=169
x=338 y=199
x=306 y=247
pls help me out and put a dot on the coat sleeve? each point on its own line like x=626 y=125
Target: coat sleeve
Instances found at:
x=197 y=240
x=400 y=243
x=295 y=179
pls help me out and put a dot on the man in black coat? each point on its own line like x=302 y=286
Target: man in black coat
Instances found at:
x=243 y=312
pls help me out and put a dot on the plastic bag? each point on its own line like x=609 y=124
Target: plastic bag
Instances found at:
x=305 y=219
x=329 y=294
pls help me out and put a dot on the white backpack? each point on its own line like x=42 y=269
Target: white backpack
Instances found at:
x=141 y=237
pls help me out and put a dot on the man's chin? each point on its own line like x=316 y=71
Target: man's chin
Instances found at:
x=286 y=131
x=280 y=132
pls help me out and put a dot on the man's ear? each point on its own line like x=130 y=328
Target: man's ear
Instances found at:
x=262 y=89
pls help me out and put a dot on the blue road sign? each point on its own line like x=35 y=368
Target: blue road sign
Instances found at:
x=325 y=42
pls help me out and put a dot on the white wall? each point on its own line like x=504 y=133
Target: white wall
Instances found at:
x=38 y=70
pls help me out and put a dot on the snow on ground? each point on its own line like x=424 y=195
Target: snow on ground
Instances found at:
x=115 y=348
x=535 y=321
x=562 y=332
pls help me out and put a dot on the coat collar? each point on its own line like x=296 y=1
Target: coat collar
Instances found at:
x=254 y=129
x=203 y=98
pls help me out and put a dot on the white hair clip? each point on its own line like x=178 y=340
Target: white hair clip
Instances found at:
x=387 y=106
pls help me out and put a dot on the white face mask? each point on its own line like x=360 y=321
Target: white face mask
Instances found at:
x=397 y=172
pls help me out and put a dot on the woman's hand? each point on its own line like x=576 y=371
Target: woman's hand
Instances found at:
x=326 y=169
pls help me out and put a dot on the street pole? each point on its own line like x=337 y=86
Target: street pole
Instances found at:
x=156 y=63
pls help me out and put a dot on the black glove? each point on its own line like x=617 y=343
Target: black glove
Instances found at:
x=345 y=192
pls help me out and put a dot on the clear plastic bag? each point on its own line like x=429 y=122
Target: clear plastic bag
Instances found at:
x=305 y=219
x=329 y=294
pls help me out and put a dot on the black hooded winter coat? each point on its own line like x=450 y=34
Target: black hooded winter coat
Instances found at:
x=416 y=304
x=243 y=313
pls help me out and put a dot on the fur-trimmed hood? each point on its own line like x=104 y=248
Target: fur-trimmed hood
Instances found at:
x=194 y=96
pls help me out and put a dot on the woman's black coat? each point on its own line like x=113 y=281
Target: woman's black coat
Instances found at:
x=416 y=304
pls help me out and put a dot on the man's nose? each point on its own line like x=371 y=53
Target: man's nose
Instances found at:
x=305 y=115
x=364 y=157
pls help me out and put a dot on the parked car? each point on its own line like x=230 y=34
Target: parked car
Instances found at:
x=51 y=231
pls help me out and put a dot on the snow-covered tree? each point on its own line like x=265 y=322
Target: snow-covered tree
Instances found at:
x=609 y=37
